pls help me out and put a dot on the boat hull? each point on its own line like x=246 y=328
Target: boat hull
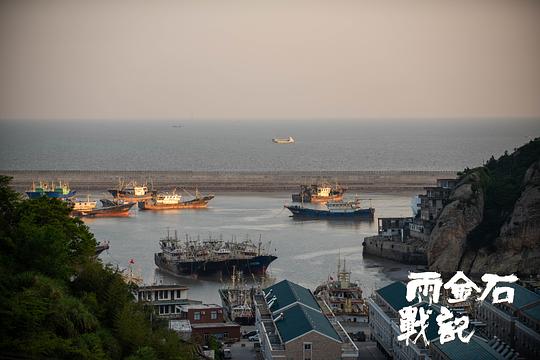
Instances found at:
x=200 y=203
x=302 y=212
x=255 y=265
x=247 y=319
x=111 y=211
x=50 y=194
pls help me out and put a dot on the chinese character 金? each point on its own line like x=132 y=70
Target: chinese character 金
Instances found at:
x=461 y=287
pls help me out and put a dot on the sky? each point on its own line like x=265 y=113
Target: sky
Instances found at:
x=279 y=59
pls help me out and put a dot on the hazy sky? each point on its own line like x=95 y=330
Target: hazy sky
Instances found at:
x=269 y=59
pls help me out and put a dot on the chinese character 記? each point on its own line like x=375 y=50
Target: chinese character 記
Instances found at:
x=448 y=328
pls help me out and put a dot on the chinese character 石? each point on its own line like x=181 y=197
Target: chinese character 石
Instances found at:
x=491 y=280
x=425 y=283
x=461 y=287
x=408 y=324
x=448 y=328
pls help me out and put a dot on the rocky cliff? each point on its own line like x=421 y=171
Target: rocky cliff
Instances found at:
x=515 y=247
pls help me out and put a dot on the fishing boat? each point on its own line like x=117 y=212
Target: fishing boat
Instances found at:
x=342 y=295
x=340 y=210
x=173 y=200
x=132 y=192
x=319 y=193
x=61 y=191
x=83 y=205
x=288 y=140
x=211 y=256
x=237 y=300
x=108 y=209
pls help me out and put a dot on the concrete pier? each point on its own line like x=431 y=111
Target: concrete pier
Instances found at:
x=233 y=180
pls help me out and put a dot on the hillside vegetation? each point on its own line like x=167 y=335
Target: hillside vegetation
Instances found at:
x=502 y=184
x=56 y=301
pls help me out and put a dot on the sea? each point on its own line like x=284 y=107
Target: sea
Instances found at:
x=206 y=145
x=307 y=251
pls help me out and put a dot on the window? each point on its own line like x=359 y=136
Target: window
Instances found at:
x=197 y=316
x=213 y=315
x=307 y=351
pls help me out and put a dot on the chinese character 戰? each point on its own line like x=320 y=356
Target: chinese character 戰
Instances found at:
x=448 y=328
x=425 y=283
x=461 y=287
x=491 y=280
x=408 y=324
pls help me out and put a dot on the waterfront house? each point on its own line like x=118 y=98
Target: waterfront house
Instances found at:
x=207 y=320
x=293 y=325
x=166 y=300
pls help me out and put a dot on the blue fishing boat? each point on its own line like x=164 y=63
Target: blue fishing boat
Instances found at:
x=62 y=191
x=338 y=210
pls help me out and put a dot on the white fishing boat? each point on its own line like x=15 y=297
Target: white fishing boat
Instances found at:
x=288 y=140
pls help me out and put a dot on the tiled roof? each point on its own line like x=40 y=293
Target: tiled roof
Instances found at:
x=299 y=319
x=288 y=293
x=394 y=294
x=477 y=349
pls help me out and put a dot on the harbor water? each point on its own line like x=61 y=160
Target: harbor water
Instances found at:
x=307 y=250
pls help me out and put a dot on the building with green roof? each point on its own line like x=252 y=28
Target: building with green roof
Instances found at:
x=477 y=348
x=292 y=325
x=518 y=323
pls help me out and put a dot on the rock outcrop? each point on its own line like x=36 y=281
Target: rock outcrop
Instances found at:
x=448 y=239
x=515 y=250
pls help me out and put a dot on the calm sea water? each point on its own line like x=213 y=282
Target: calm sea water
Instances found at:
x=307 y=250
x=243 y=145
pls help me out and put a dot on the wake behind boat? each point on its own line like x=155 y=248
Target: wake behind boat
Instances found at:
x=288 y=140
x=340 y=210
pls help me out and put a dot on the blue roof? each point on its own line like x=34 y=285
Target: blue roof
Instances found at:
x=288 y=293
x=299 y=320
x=477 y=348
x=432 y=331
x=394 y=294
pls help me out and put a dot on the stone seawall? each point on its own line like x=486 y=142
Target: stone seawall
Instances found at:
x=234 y=180
x=405 y=253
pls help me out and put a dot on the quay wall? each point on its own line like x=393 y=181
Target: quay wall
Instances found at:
x=233 y=180
x=394 y=250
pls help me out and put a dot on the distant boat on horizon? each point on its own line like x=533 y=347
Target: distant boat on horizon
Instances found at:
x=288 y=140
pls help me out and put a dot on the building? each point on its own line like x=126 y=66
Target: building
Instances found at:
x=476 y=348
x=166 y=300
x=384 y=308
x=204 y=320
x=393 y=242
x=517 y=324
x=293 y=325
x=384 y=322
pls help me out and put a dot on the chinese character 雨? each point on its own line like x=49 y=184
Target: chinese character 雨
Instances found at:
x=424 y=283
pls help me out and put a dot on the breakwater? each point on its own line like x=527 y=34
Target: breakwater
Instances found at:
x=391 y=180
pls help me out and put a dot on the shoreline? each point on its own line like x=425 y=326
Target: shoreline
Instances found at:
x=234 y=181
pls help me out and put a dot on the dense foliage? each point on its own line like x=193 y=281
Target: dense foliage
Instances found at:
x=502 y=183
x=57 y=301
